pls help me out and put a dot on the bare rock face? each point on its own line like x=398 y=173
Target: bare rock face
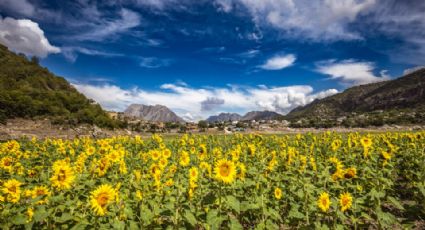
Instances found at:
x=152 y=113
x=261 y=115
x=224 y=117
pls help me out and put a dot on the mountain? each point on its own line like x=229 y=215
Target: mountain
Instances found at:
x=152 y=113
x=405 y=95
x=224 y=117
x=28 y=90
x=261 y=115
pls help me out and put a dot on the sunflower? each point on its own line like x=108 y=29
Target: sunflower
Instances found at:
x=350 y=173
x=139 y=195
x=172 y=169
x=155 y=170
x=166 y=153
x=345 y=200
x=386 y=155
x=169 y=183
x=278 y=193
x=184 y=158
x=63 y=175
x=114 y=156
x=366 y=142
x=30 y=214
x=11 y=188
x=40 y=191
x=155 y=155
x=137 y=175
x=225 y=171
x=163 y=163
x=193 y=174
x=6 y=163
x=335 y=145
x=101 y=166
x=324 y=203
x=242 y=171
x=101 y=198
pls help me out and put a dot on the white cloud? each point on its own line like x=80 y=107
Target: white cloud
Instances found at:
x=104 y=28
x=25 y=36
x=413 y=69
x=224 y=5
x=315 y=20
x=153 y=62
x=350 y=72
x=21 y=7
x=71 y=53
x=188 y=102
x=279 y=62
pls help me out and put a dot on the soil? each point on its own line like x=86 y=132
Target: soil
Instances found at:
x=24 y=128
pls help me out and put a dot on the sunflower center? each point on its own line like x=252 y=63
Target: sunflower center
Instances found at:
x=12 y=189
x=102 y=199
x=344 y=201
x=224 y=170
x=61 y=175
x=324 y=202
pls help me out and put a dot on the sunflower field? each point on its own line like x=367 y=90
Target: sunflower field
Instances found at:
x=314 y=181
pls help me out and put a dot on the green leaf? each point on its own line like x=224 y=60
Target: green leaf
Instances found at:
x=190 y=218
x=395 y=203
x=271 y=225
x=421 y=188
x=134 y=225
x=300 y=193
x=260 y=226
x=40 y=214
x=234 y=203
x=319 y=226
x=235 y=225
x=146 y=215
x=65 y=217
x=79 y=226
x=19 y=219
x=294 y=213
x=118 y=224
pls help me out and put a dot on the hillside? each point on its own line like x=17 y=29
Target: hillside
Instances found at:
x=152 y=113
x=402 y=97
x=261 y=115
x=224 y=117
x=28 y=90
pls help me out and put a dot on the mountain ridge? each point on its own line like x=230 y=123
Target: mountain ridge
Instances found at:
x=224 y=117
x=405 y=93
x=159 y=113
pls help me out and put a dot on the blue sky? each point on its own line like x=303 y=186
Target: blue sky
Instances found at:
x=202 y=57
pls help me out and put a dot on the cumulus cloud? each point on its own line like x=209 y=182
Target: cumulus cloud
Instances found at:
x=351 y=72
x=25 y=36
x=279 y=62
x=190 y=102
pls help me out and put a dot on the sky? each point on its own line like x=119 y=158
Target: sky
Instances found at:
x=204 y=57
